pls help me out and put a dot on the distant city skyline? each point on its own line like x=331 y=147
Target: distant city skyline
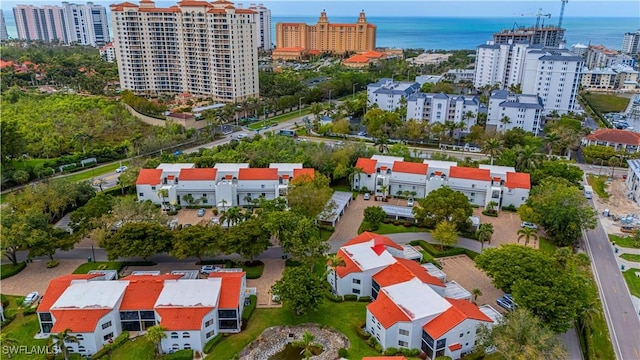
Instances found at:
x=575 y=8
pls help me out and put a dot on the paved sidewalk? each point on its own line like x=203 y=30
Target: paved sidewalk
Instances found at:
x=273 y=269
x=36 y=277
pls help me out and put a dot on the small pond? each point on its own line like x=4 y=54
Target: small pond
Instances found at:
x=292 y=352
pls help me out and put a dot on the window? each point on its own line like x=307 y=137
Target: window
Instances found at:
x=174 y=335
x=404 y=332
x=140 y=194
x=81 y=348
x=356 y=281
x=79 y=337
x=106 y=325
x=108 y=336
x=186 y=335
x=403 y=343
x=355 y=291
x=208 y=323
x=461 y=334
x=210 y=334
x=153 y=188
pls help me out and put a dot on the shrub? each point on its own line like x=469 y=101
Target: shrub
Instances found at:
x=9 y=270
x=351 y=297
x=29 y=311
x=510 y=207
x=117 y=342
x=410 y=352
x=172 y=212
x=364 y=298
x=377 y=347
x=343 y=353
x=248 y=310
x=391 y=351
x=186 y=354
x=386 y=221
x=8 y=318
x=396 y=223
x=407 y=224
x=490 y=213
x=211 y=343
x=334 y=298
x=215 y=211
x=52 y=264
x=4 y=301
x=291 y=262
x=361 y=333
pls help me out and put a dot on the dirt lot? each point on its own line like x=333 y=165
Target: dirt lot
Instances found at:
x=505 y=227
x=462 y=270
x=617 y=203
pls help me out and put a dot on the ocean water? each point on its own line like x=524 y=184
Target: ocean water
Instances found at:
x=450 y=33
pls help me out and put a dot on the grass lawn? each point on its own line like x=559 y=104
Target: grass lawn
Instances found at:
x=22 y=329
x=604 y=103
x=599 y=185
x=258 y=125
x=253 y=272
x=8 y=270
x=631 y=257
x=599 y=330
x=325 y=234
x=622 y=241
x=633 y=281
x=546 y=246
x=100 y=265
x=344 y=317
x=96 y=171
x=393 y=229
x=140 y=349
x=21 y=164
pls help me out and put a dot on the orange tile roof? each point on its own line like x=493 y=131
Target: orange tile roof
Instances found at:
x=57 y=286
x=517 y=180
x=459 y=172
x=306 y=171
x=410 y=167
x=357 y=59
x=171 y=9
x=454 y=347
x=245 y=11
x=615 y=136
x=143 y=291
x=182 y=318
x=193 y=3
x=217 y=11
x=457 y=313
x=149 y=177
x=349 y=266
x=404 y=270
x=230 y=290
x=291 y=49
x=377 y=239
x=421 y=273
x=386 y=311
x=198 y=174
x=79 y=321
x=368 y=166
x=314 y=52
x=258 y=174
x=373 y=54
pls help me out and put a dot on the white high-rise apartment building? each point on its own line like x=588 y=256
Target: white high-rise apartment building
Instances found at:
x=508 y=111
x=196 y=47
x=263 y=26
x=631 y=43
x=46 y=23
x=388 y=94
x=3 y=27
x=87 y=24
x=551 y=73
x=438 y=108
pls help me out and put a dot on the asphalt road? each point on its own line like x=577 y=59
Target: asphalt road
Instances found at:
x=623 y=322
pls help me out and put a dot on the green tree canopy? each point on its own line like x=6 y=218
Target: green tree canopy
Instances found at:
x=249 y=239
x=308 y=197
x=197 y=241
x=300 y=289
x=445 y=233
x=138 y=239
x=444 y=204
x=374 y=215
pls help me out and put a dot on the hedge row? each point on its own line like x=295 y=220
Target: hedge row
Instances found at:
x=211 y=343
x=117 y=342
x=186 y=354
x=10 y=270
x=449 y=251
x=248 y=310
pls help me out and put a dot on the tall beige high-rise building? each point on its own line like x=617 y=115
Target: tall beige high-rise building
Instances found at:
x=324 y=36
x=196 y=47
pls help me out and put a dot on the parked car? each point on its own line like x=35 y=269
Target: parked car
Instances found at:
x=242 y=136
x=208 y=269
x=201 y=212
x=530 y=225
x=186 y=226
x=367 y=196
x=504 y=303
x=121 y=169
x=31 y=298
x=508 y=298
x=177 y=153
x=410 y=202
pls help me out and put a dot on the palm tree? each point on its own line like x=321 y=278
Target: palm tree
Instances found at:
x=58 y=341
x=492 y=147
x=316 y=109
x=460 y=127
x=527 y=159
x=527 y=234
x=154 y=335
x=551 y=142
x=476 y=292
x=334 y=261
x=383 y=144
x=307 y=344
x=589 y=313
x=505 y=120
x=484 y=234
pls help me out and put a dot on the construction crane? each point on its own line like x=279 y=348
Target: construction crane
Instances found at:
x=564 y=2
x=538 y=15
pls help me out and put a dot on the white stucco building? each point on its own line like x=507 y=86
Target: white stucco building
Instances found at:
x=507 y=111
x=386 y=175
x=224 y=185
x=387 y=93
x=633 y=180
x=263 y=26
x=438 y=108
x=96 y=310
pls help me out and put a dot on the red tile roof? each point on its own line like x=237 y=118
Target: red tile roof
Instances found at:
x=615 y=136
x=386 y=311
x=457 y=313
x=57 y=286
x=194 y=3
x=454 y=347
x=373 y=54
x=518 y=181
x=368 y=166
x=149 y=177
x=198 y=174
x=349 y=267
x=309 y=172
x=410 y=167
x=245 y=11
x=459 y=172
x=404 y=270
x=171 y=9
x=291 y=49
x=143 y=291
x=358 y=59
x=182 y=318
x=79 y=321
x=258 y=174
x=230 y=290
x=377 y=239
x=314 y=52
x=421 y=273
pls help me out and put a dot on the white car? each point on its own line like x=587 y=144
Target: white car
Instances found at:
x=410 y=202
x=31 y=298
x=208 y=269
x=530 y=225
x=121 y=169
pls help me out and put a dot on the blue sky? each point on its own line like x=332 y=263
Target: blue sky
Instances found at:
x=470 y=8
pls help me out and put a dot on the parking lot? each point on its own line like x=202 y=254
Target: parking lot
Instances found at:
x=462 y=270
x=505 y=228
x=190 y=216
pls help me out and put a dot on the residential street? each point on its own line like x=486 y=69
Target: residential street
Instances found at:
x=624 y=325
